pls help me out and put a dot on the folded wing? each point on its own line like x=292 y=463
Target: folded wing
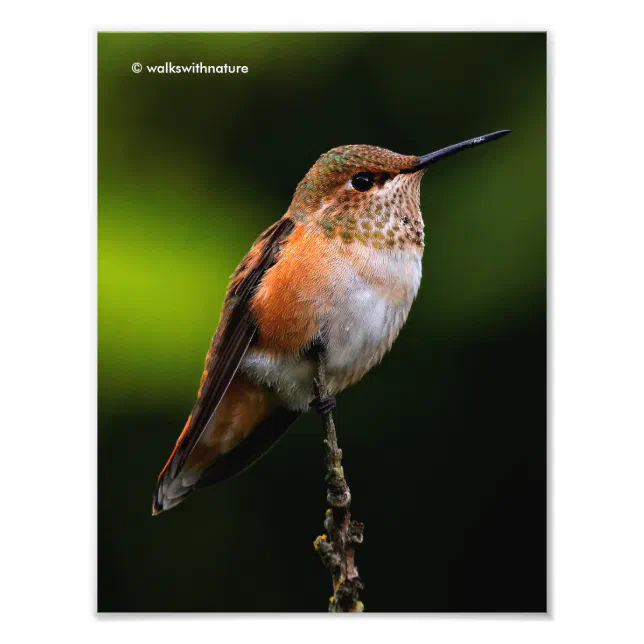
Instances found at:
x=207 y=438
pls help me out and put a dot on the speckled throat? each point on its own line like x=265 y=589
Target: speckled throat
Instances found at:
x=385 y=217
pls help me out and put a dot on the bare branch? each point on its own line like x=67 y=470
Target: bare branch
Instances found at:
x=337 y=546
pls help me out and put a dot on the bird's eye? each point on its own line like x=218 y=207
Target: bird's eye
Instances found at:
x=362 y=181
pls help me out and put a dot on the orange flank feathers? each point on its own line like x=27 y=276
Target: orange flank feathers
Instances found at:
x=287 y=308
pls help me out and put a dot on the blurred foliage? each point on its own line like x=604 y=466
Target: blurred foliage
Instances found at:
x=445 y=441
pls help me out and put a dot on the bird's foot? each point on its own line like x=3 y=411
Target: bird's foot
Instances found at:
x=324 y=406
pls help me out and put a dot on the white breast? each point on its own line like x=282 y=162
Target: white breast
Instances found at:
x=370 y=303
x=368 y=315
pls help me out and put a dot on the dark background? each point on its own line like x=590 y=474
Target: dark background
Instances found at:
x=445 y=441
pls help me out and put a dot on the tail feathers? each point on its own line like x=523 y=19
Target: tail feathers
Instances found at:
x=170 y=491
x=173 y=488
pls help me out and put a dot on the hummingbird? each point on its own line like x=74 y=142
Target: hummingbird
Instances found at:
x=334 y=278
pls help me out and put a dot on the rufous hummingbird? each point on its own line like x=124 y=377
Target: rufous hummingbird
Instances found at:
x=336 y=275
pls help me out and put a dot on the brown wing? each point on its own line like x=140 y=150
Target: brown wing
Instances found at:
x=234 y=334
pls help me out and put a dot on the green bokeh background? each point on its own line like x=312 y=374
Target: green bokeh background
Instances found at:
x=445 y=441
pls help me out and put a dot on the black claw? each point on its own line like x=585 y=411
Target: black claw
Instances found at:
x=324 y=406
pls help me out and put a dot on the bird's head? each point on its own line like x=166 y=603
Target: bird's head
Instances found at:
x=369 y=195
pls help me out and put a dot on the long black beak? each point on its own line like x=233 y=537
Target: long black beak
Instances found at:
x=434 y=157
